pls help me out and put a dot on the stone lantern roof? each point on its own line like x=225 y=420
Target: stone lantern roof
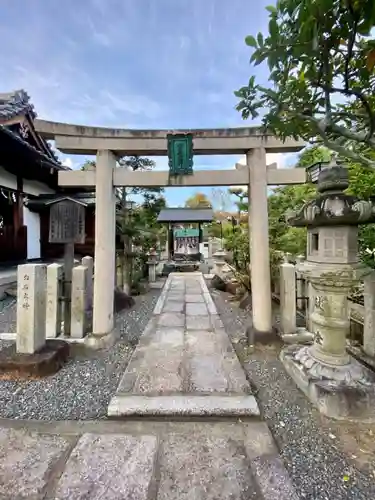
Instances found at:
x=332 y=206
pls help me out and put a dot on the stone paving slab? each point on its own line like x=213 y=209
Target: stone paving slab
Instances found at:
x=199 y=467
x=184 y=352
x=141 y=460
x=109 y=466
x=27 y=462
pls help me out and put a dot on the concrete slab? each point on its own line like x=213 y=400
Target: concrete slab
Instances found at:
x=201 y=467
x=160 y=372
x=198 y=322
x=171 y=319
x=181 y=405
x=28 y=462
x=173 y=306
x=110 y=467
x=196 y=297
x=196 y=309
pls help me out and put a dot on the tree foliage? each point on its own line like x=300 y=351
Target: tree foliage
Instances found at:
x=138 y=226
x=321 y=59
x=198 y=200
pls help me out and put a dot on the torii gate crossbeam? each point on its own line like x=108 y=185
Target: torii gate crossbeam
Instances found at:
x=108 y=144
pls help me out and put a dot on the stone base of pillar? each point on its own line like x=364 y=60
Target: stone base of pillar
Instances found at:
x=263 y=338
x=345 y=392
x=45 y=362
x=97 y=341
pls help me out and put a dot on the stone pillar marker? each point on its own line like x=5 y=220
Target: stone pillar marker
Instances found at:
x=300 y=287
x=259 y=244
x=31 y=308
x=369 y=317
x=105 y=252
x=89 y=263
x=288 y=298
x=54 y=304
x=79 y=300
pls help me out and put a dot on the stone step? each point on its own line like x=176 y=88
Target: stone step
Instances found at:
x=183 y=405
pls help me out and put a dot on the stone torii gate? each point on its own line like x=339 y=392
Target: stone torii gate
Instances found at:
x=108 y=144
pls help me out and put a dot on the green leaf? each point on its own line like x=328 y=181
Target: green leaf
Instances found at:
x=273 y=28
x=260 y=39
x=252 y=81
x=261 y=57
x=241 y=105
x=272 y=9
x=250 y=41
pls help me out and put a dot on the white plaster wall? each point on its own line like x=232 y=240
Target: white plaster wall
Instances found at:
x=32 y=221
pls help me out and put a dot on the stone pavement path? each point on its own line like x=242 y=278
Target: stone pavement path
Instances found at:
x=184 y=364
x=204 y=442
x=140 y=460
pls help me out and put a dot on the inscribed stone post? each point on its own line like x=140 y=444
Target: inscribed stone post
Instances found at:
x=300 y=285
x=288 y=298
x=54 y=305
x=310 y=306
x=31 y=308
x=369 y=316
x=89 y=263
x=79 y=294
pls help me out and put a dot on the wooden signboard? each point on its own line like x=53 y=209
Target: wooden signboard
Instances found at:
x=67 y=222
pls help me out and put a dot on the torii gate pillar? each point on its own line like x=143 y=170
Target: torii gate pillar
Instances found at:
x=105 y=244
x=259 y=244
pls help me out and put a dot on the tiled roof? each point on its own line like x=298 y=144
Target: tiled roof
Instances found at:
x=15 y=103
x=18 y=103
x=52 y=162
x=186 y=215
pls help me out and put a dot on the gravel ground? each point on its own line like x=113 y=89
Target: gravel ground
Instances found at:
x=81 y=390
x=318 y=460
x=8 y=313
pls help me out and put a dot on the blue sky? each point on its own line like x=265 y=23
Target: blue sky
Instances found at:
x=134 y=64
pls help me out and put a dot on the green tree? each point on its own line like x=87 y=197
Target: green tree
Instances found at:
x=126 y=229
x=321 y=59
x=241 y=202
x=198 y=200
x=283 y=237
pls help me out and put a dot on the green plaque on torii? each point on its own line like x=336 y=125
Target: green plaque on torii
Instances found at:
x=180 y=154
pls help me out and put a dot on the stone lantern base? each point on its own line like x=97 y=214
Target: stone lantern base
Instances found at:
x=340 y=392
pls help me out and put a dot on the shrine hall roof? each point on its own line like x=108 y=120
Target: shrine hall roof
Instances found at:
x=15 y=103
x=186 y=215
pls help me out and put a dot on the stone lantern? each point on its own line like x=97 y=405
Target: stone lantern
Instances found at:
x=152 y=264
x=335 y=382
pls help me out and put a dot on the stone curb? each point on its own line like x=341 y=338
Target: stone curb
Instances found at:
x=160 y=303
x=177 y=405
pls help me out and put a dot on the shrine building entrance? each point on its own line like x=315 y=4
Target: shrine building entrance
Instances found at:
x=180 y=146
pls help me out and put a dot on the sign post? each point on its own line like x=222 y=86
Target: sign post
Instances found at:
x=180 y=154
x=67 y=226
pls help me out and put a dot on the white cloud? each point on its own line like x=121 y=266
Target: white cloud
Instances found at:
x=68 y=162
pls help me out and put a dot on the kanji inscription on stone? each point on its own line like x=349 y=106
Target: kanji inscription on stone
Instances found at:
x=67 y=222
